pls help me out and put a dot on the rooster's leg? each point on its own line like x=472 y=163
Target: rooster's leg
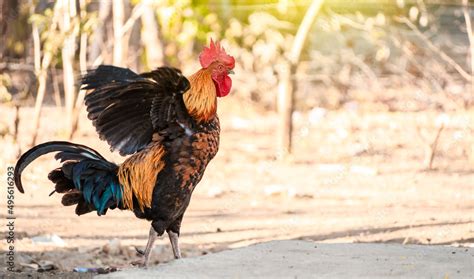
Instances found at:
x=149 y=246
x=174 y=244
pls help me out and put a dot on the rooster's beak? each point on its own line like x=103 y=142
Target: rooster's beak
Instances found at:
x=230 y=72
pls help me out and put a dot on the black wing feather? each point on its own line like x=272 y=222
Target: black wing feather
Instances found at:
x=170 y=107
x=104 y=75
x=127 y=108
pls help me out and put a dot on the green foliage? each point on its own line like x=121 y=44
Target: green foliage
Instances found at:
x=5 y=83
x=18 y=31
x=88 y=22
x=181 y=26
x=259 y=44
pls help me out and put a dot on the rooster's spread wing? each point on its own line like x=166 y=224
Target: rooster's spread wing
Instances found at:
x=127 y=108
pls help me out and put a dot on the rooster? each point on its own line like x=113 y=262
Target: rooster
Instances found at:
x=169 y=126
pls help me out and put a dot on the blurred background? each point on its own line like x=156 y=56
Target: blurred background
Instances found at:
x=348 y=121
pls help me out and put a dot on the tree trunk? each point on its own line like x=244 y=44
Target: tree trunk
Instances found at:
x=83 y=68
x=67 y=53
x=42 y=78
x=99 y=38
x=287 y=84
x=134 y=45
x=285 y=109
x=150 y=37
x=118 y=9
x=42 y=75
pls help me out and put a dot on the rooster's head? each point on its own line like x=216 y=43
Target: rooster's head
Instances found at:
x=220 y=64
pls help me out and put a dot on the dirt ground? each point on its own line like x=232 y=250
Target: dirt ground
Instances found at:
x=354 y=177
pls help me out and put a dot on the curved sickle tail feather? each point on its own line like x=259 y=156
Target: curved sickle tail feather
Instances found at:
x=85 y=177
x=48 y=147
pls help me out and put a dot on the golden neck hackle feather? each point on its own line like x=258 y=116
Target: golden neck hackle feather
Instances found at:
x=201 y=100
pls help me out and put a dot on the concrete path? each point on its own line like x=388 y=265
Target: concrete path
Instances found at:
x=304 y=259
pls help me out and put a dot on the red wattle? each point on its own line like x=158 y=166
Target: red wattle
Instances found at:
x=223 y=86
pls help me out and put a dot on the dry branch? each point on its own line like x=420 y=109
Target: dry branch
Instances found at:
x=434 y=146
x=470 y=36
x=16 y=124
x=431 y=146
x=36 y=47
x=56 y=90
x=4 y=66
x=435 y=49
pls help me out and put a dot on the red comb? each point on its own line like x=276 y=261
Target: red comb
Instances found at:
x=215 y=53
